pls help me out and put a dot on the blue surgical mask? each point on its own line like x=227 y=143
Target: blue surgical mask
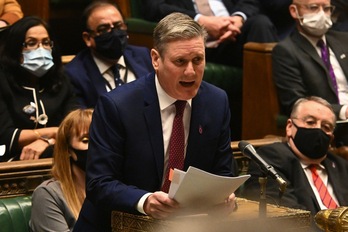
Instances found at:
x=37 y=61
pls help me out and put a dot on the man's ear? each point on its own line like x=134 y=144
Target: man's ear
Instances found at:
x=293 y=11
x=288 y=127
x=87 y=38
x=155 y=58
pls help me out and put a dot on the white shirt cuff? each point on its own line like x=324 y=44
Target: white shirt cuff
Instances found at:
x=239 y=13
x=140 y=205
x=197 y=17
x=342 y=114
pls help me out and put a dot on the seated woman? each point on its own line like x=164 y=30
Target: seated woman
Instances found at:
x=34 y=93
x=56 y=203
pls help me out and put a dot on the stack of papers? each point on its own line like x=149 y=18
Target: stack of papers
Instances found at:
x=197 y=189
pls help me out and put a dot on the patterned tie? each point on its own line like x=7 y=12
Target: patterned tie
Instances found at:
x=176 y=144
x=323 y=192
x=204 y=7
x=117 y=77
x=325 y=56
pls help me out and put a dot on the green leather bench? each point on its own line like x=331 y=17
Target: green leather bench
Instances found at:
x=15 y=214
x=229 y=79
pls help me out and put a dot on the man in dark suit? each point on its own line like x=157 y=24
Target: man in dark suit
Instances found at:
x=309 y=131
x=92 y=70
x=230 y=24
x=298 y=69
x=130 y=152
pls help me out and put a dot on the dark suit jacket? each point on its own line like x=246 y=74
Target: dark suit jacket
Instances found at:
x=298 y=70
x=158 y=9
x=126 y=152
x=298 y=193
x=89 y=83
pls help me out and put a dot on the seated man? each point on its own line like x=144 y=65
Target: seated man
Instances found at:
x=303 y=160
x=229 y=25
x=312 y=61
x=298 y=67
x=108 y=61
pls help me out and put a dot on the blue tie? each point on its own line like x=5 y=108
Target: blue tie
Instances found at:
x=117 y=77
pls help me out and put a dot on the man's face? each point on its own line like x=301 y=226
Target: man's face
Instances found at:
x=102 y=19
x=310 y=115
x=310 y=7
x=180 y=68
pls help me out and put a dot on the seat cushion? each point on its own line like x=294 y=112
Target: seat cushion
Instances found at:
x=15 y=214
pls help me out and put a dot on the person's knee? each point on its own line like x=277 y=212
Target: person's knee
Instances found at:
x=260 y=21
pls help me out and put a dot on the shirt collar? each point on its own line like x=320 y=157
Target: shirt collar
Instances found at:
x=313 y=40
x=105 y=66
x=164 y=99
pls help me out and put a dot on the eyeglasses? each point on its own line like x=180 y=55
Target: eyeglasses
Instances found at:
x=34 y=44
x=311 y=122
x=106 y=28
x=315 y=8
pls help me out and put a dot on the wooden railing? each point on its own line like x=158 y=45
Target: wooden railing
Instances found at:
x=20 y=178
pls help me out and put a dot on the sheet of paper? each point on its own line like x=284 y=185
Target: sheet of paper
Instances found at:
x=198 y=189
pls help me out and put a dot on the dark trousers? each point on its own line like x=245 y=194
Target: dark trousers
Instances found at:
x=258 y=28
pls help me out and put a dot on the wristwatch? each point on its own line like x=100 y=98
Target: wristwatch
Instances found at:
x=47 y=140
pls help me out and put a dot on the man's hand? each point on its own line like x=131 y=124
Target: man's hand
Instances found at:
x=225 y=208
x=215 y=26
x=158 y=205
x=33 y=150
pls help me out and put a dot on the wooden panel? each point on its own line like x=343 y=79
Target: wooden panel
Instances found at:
x=38 y=7
x=260 y=101
x=245 y=219
x=124 y=7
x=20 y=178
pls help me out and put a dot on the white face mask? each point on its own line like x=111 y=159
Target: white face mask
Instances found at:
x=316 y=24
x=37 y=61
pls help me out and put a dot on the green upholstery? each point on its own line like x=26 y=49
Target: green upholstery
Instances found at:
x=15 y=214
x=226 y=77
x=229 y=79
x=136 y=23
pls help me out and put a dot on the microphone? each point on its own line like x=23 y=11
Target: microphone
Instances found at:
x=249 y=151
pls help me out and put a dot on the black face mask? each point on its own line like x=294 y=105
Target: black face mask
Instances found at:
x=312 y=142
x=81 y=158
x=111 y=45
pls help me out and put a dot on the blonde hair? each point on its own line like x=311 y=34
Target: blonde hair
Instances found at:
x=176 y=26
x=73 y=124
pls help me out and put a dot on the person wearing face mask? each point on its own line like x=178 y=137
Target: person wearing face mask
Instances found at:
x=108 y=61
x=35 y=95
x=309 y=131
x=56 y=203
x=313 y=60
x=299 y=68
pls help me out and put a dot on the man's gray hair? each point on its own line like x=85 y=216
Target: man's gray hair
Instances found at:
x=176 y=26
x=307 y=99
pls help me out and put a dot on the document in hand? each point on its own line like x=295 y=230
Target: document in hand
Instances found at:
x=198 y=189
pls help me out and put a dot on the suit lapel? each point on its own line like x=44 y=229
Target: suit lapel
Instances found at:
x=308 y=48
x=333 y=175
x=153 y=122
x=197 y=127
x=133 y=62
x=341 y=54
x=94 y=75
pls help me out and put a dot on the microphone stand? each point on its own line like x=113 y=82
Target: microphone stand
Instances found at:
x=263 y=204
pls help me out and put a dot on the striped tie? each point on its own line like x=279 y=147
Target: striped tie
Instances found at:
x=323 y=192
